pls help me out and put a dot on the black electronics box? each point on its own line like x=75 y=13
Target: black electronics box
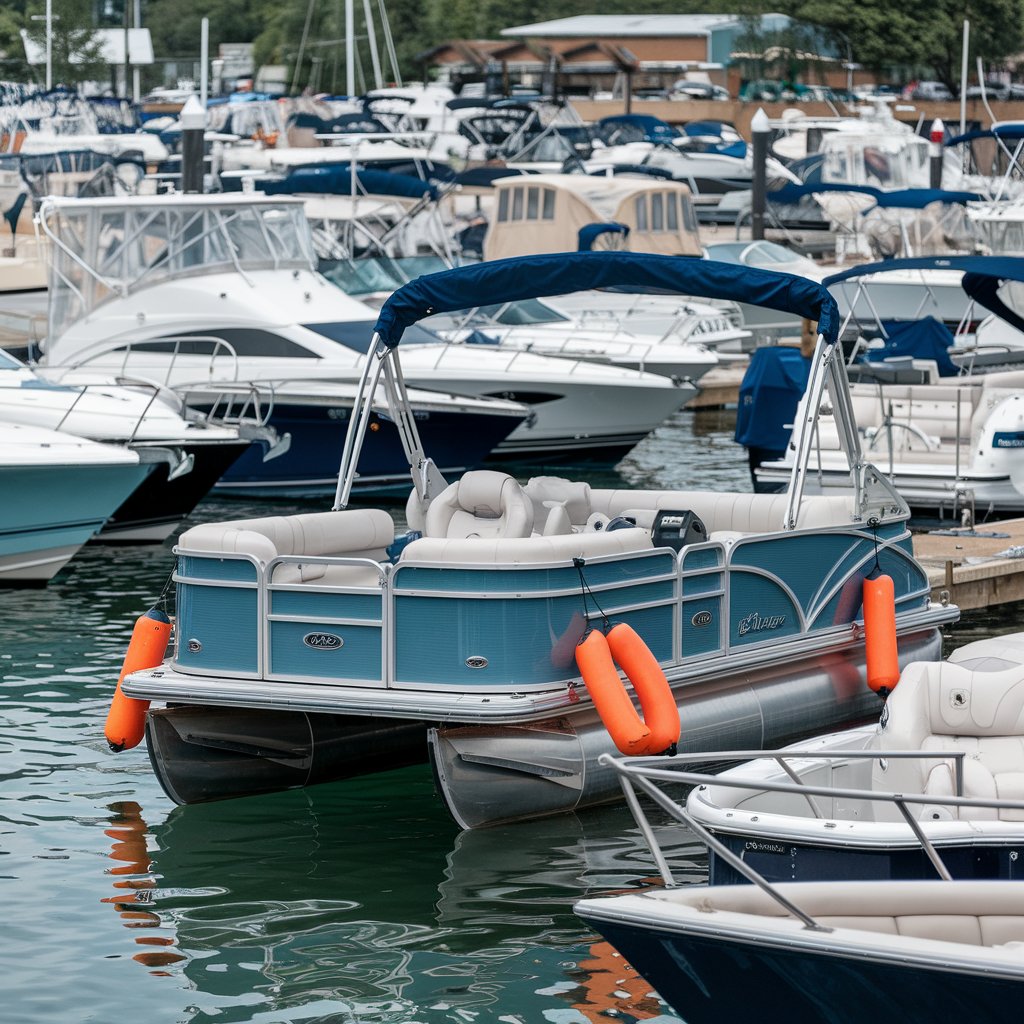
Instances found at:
x=677 y=528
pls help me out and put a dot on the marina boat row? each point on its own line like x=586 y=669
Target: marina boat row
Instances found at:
x=204 y=290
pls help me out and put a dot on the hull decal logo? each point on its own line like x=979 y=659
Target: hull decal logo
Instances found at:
x=757 y=623
x=323 y=641
x=476 y=661
x=702 y=619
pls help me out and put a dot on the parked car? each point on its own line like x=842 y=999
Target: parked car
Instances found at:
x=931 y=91
x=687 y=90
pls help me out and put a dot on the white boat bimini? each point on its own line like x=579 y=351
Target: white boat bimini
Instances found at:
x=313 y=647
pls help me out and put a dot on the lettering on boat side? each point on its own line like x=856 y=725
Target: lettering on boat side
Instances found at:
x=702 y=619
x=757 y=623
x=476 y=661
x=759 y=846
x=323 y=641
x=1008 y=439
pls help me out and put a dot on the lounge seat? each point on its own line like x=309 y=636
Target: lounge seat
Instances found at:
x=482 y=504
x=944 y=706
x=726 y=512
x=352 y=533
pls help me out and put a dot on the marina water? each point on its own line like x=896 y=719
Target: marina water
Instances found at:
x=358 y=903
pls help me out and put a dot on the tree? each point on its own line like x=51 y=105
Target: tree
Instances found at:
x=916 y=34
x=76 y=50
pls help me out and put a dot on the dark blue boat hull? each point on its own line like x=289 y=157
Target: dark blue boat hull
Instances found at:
x=781 y=861
x=456 y=441
x=715 y=980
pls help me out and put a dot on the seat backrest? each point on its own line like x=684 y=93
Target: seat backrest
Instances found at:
x=944 y=706
x=481 y=504
x=554 y=492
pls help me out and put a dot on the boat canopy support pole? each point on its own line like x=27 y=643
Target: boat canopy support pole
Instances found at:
x=426 y=477
x=382 y=360
x=827 y=371
x=363 y=405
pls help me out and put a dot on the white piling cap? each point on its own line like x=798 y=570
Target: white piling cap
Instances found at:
x=192 y=115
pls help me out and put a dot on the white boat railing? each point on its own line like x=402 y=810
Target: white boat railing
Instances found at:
x=642 y=773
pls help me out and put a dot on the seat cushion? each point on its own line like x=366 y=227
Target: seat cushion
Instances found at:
x=482 y=504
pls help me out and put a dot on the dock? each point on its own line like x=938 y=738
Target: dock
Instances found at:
x=975 y=568
x=720 y=387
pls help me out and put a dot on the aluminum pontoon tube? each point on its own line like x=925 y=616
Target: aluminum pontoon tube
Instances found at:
x=493 y=774
x=208 y=753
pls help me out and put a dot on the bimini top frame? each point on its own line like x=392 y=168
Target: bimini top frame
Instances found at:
x=528 y=277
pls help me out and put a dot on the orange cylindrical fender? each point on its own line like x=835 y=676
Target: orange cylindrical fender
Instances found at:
x=883 y=664
x=126 y=720
x=658 y=704
x=596 y=655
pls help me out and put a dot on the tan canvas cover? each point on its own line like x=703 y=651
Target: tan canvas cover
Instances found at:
x=544 y=213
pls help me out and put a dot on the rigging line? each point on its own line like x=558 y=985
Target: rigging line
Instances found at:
x=162 y=596
x=585 y=589
x=302 y=45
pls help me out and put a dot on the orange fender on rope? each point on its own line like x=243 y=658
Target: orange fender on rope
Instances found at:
x=596 y=656
x=126 y=720
x=883 y=664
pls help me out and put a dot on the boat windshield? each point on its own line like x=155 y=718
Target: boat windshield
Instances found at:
x=103 y=249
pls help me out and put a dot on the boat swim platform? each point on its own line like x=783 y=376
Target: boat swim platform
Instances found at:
x=971 y=568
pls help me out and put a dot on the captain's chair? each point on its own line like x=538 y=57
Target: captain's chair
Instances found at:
x=482 y=504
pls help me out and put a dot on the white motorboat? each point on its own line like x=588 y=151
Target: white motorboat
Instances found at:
x=869 y=943
x=58 y=492
x=538 y=327
x=222 y=288
x=844 y=952
x=944 y=446
x=189 y=453
x=949 y=729
x=889 y=290
x=315 y=647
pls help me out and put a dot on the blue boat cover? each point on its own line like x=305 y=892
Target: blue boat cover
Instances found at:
x=926 y=338
x=1006 y=268
x=984 y=289
x=919 y=198
x=486 y=176
x=769 y=394
x=646 y=127
x=336 y=179
x=589 y=233
x=527 y=277
x=1012 y=131
x=791 y=192
x=650 y=172
x=703 y=128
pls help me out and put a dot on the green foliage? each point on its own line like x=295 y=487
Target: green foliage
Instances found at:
x=13 y=65
x=73 y=37
x=920 y=37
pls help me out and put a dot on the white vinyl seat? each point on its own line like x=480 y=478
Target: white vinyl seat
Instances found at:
x=560 y=506
x=938 y=706
x=483 y=503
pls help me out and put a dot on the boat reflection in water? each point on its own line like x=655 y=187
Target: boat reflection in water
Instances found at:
x=357 y=905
